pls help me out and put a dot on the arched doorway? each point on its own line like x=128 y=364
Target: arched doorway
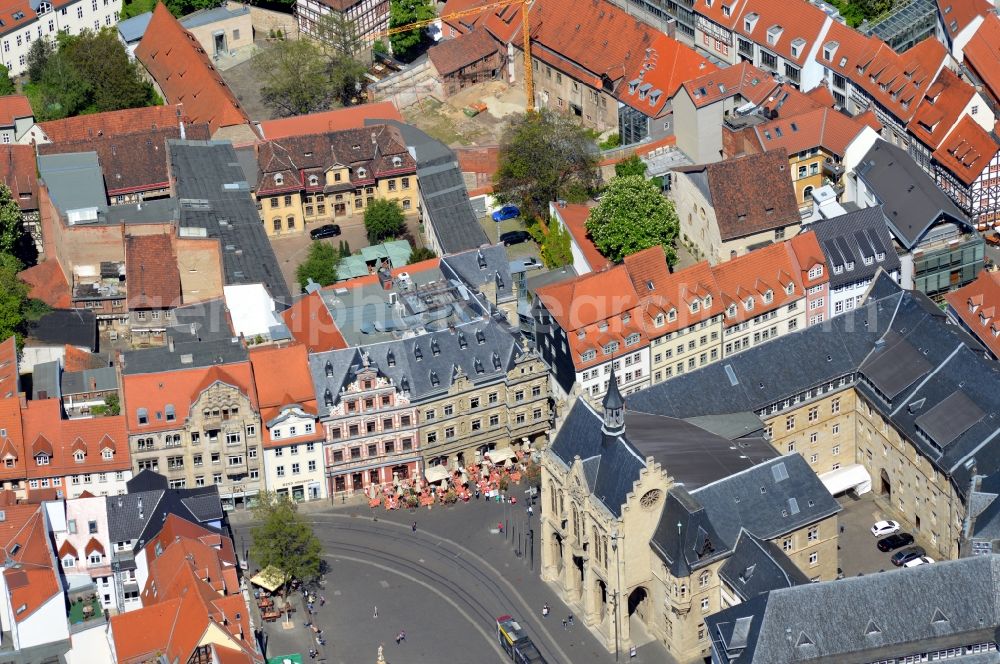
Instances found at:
x=557 y=552
x=885 y=486
x=639 y=607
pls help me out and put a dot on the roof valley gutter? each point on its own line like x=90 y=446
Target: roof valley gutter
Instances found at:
x=895 y=311
x=927 y=378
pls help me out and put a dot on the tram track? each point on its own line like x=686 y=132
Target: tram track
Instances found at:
x=460 y=557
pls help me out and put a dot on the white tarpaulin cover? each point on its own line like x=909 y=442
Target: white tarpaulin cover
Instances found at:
x=849 y=477
x=501 y=455
x=435 y=474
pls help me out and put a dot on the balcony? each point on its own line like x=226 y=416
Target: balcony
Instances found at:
x=838 y=188
x=833 y=169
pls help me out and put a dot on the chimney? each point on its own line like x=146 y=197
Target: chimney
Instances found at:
x=170 y=344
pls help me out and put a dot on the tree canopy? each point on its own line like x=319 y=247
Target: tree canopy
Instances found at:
x=407 y=45
x=633 y=215
x=6 y=84
x=631 y=166
x=16 y=308
x=283 y=540
x=384 y=220
x=300 y=76
x=86 y=73
x=420 y=254
x=544 y=157
x=320 y=265
x=556 y=250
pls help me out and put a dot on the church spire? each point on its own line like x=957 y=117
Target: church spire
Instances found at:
x=614 y=411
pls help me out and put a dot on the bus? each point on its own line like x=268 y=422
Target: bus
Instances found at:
x=516 y=643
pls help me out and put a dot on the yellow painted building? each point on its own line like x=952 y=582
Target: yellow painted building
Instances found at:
x=316 y=179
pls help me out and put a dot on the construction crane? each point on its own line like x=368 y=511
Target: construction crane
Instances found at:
x=529 y=83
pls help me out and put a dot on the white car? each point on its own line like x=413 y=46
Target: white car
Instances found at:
x=916 y=562
x=883 y=528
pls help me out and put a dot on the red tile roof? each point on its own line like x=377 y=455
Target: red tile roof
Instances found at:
x=978 y=306
x=311 y=324
x=113 y=123
x=588 y=40
x=184 y=73
x=796 y=25
x=663 y=69
x=713 y=11
x=822 y=127
x=32 y=581
x=282 y=377
x=151 y=275
x=46 y=282
x=13 y=107
x=180 y=389
x=75 y=359
x=967 y=151
x=642 y=297
x=479 y=165
x=450 y=55
x=352 y=117
x=19 y=172
x=982 y=54
x=9 y=376
x=958 y=14
x=751 y=83
x=942 y=105
x=574 y=217
x=43 y=430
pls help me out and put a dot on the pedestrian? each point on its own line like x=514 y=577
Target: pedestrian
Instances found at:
x=375 y=614
x=477 y=493
x=399 y=636
x=310 y=605
x=570 y=619
x=564 y=623
x=530 y=510
x=322 y=600
x=500 y=526
x=545 y=610
x=402 y=635
x=414 y=526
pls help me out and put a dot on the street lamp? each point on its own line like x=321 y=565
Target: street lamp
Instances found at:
x=615 y=536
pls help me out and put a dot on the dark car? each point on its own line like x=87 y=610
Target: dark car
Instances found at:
x=515 y=237
x=900 y=558
x=506 y=212
x=328 y=230
x=893 y=542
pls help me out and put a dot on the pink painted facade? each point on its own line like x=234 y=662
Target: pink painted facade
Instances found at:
x=371 y=435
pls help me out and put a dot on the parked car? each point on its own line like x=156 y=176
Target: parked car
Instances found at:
x=883 y=528
x=992 y=238
x=506 y=212
x=327 y=230
x=514 y=237
x=917 y=562
x=893 y=542
x=900 y=558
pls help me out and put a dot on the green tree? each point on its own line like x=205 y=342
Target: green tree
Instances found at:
x=631 y=166
x=633 y=215
x=407 y=45
x=420 y=254
x=338 y=34
x=344 y=249
x=15 y=306
x=283 y=540
x=384 y=220
x=113 y=404
x=544 y=157
x=293 y=77
x=320 y=265
x=114 y=79
x=11 y=221
x=38 y=57
x=556 y=250
x=6 y=85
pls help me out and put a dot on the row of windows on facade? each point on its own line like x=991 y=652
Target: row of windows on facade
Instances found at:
x=494 y=421
x=296 y=468
x=313 y=180
x=372 y=450
x=629 y=360
x=88 y=478
x=174 y=440
x=336 y=431
x=200 y=480
x=142 y=414
x=492 y=398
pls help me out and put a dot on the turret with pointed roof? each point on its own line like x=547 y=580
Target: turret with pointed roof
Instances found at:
x=614 y=411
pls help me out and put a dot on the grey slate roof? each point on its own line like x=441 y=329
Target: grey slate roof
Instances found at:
x=757 y=566
x=901 y=342
x=490 y=350
x=186 y=355
x=767 y=500
x=913 y=203
x=205 y=321
x=75 y=327
x=442 y=188
x=127 y=522
x=685 y=537
x=865 y=618
x=45 y=380
x=74 y=180
x=852 y=237
x=132 y=29
x=207 y=16
x=215 y=200
x=102 y=379
x=478 y=267
x=614 y=467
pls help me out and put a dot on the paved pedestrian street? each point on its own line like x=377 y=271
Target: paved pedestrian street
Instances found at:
x=444 y=584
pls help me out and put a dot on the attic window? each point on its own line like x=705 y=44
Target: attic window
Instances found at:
x=672 y=315
x=768 y=295
x=731 y=310
x=279 y=179
x=797 y=46
x=362 y=172
x=313 y=180
x=695 y=306
x=750 y=21
x=79 y=456
x=435 y=381
x=397 y=161
x=829 y=50
x=790 y=288
x=748 y=304
x=794 y=127
x=774 y=34
x=707 y=302
x=843 y=61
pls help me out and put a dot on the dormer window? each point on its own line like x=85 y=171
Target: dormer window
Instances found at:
x=869 y=260
x=603 y=326
x=815 y=272
x=632 y=339
x=610 y=347
x=797 y=46
x=995 y=330
x=880 y=256
x=660 y=319
x=790 y=288
x=850 y=265
x=580 y=334
x=588 y=355
x=972 y=306
x=829 y=50
x=768 y=296
x=727 y=10
x=397 y=161
x=671 y=315
x=313 y=180
x=983 y=319
x=748 y=304
x=695 y=306
x=731 y=310
x=707 y=302
x=838 y=269
x=44 y=8
x=79 y=456
x=42 y=459
x=435 y=381
x=626 y=317
x=774 y=34
x=279 y=179
x=750 y=21
x=107 y=454
x=362 y=172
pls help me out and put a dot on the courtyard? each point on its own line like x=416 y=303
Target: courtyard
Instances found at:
x=447 y=121
x=858 y=552
x=444 y=584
